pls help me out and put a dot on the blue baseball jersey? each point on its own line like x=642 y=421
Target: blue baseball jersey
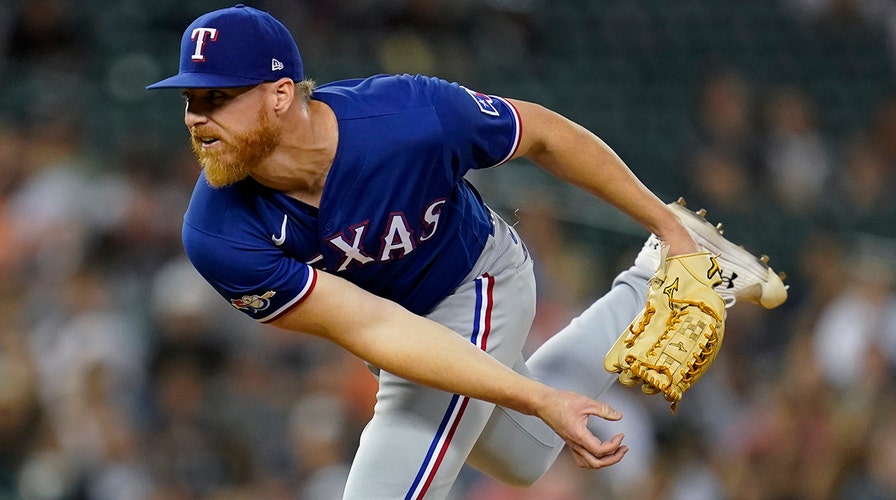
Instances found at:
x=396 y=216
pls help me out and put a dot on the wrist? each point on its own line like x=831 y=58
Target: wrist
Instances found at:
x=535 y=399
x=678 y=240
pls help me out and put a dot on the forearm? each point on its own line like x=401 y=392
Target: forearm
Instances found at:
x=425 y=352
x=409 y=346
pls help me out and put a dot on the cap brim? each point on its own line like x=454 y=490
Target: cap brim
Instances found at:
x=202 y=81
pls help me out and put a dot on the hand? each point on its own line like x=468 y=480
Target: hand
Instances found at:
x=567 y=414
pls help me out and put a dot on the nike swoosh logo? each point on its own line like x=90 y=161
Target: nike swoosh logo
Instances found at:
x=279 y=240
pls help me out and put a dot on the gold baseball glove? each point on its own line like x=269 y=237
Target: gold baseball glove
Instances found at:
x=676 y=337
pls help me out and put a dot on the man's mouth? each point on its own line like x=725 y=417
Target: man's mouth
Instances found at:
x=202 y=138
x=206 y=141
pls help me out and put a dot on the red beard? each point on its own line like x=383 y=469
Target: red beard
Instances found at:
x=234 y=161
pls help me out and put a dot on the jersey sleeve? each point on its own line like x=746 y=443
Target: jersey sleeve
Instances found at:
x=480 y=130
x=258 y=280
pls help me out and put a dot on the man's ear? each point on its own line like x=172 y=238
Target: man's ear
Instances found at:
x=284 y=93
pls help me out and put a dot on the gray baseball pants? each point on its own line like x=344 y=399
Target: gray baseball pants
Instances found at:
x=419 y=438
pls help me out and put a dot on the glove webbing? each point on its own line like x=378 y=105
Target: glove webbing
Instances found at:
x=675 y=317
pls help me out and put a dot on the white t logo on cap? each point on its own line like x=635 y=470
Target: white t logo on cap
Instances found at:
x=200 y=35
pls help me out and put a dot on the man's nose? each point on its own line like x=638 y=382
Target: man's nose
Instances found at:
x=193 y=116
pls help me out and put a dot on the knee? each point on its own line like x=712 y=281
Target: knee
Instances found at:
x=524 y=480
x=518 y=473
x=515 y=449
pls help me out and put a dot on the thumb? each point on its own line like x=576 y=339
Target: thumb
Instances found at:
x=604 y=411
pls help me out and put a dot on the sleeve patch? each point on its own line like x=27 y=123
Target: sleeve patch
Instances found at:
x=483 y=101
x=253 y=303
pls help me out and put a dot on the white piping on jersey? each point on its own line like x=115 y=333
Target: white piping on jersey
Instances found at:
x=517 y=135
x=309 y=284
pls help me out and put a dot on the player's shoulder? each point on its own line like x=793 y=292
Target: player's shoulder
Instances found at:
x=382 y=93
x=222 y=212
x=384 y=83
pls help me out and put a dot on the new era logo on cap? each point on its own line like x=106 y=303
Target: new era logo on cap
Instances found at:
x=235 y=47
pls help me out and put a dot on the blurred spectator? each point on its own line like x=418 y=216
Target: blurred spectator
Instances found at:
x=55 y=205
x=317 y=428
x=725 y=119
x=796 y=157
x=860 y=198
x=13 y=150
x=880 y=14
x=874 y=476
x=47 y=32
x=860 y=323
x=883 y=136
x=723 y=181
x=21 y=411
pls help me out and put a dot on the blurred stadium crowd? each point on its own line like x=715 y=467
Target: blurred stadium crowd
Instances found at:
x=123 y=377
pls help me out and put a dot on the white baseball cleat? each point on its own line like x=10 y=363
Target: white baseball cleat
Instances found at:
x=745 y=277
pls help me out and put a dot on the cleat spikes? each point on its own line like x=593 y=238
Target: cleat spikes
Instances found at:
x=719 y=228
x=681 y=201
x=782 y=275
x=750 y=277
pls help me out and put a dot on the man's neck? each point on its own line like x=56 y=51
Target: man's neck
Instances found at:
x=300 y=164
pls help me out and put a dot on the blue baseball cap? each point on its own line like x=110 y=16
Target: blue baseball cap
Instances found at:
x=235 y=47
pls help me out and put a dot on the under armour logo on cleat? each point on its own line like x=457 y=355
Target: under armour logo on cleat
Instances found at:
x=729 y=279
